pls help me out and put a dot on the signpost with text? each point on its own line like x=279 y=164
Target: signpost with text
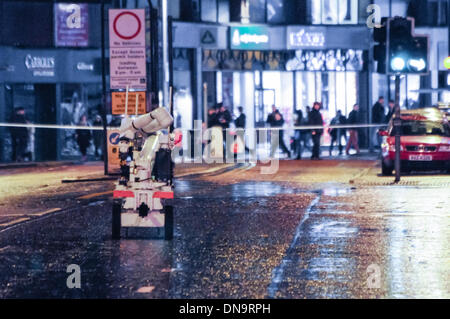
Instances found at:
x=127 y=49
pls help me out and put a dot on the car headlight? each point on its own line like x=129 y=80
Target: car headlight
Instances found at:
x=444 y=148
x=392 y=148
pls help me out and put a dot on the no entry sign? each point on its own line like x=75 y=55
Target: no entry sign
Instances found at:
x=127 y=49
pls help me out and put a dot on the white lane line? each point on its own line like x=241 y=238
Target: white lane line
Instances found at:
x=53 y=210
x=4 y=248
x=17 y=221
x=208 y=171
x=278 y=272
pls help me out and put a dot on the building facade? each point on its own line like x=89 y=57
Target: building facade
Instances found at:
x=249 y=53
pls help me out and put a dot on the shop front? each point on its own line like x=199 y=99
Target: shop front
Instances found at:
x=291 y=68
x=55 y=87
x=257 y=66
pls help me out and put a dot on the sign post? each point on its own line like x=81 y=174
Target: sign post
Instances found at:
x=397 y=128
x=127 y=49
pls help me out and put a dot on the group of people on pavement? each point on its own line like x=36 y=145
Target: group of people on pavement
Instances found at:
x=314 y=119
x=220 y=116
x=20 y=137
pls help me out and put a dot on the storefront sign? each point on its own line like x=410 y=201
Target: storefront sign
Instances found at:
x=82 y=66
x=40 y=65
x=71 y=25
x=306 y=37
x=127 y=49
x=208 y=37
x=118 y=103
x=250 y=38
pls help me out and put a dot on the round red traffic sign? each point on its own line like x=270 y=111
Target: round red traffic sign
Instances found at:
x=130 y=25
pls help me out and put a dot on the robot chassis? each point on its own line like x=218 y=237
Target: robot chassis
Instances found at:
x=146 y=177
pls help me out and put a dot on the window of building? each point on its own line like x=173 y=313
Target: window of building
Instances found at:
x=334 y=11
x=208 y=10
x=36 y=30
x=429 y=13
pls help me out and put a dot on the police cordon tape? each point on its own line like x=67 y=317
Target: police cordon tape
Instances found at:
x=100 y=128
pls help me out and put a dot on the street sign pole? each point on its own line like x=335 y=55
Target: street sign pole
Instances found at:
x=397 y=128
x=104 y=118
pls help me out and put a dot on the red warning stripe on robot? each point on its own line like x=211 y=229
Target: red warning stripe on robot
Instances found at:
x=163 y=195
x=123 y=194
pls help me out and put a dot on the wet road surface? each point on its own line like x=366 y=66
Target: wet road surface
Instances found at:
x=239 y=238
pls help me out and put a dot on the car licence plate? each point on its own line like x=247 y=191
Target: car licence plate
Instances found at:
x=421 y=158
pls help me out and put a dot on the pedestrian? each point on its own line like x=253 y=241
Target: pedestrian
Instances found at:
x=391 y=111
x=83 y=137
x=212 y=117
x=316 y=119
x=224 y=119
x=378 y=117
x=353 y=119
x=19 y=136
x=337 y=133
x=98 y=138
x=240 y=123
x=298 y=135
x=241 y=119
x=276 y=121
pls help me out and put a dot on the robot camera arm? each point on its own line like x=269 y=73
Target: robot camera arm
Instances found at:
x=149 y=123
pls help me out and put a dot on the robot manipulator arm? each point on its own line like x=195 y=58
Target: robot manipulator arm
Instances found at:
x=149 y=123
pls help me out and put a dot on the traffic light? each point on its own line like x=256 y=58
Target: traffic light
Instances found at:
x=407 y=53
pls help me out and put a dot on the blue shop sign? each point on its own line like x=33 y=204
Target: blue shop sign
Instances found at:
x=250 y=38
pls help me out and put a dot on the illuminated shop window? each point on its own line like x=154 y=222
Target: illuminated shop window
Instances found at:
x=334 y=11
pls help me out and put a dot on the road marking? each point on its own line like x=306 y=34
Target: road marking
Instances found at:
x=208 y=171
x=17 y=221
x=278 y=272
x=90 y=196
x=4 y=248
x=145 y=290
x=53 y=210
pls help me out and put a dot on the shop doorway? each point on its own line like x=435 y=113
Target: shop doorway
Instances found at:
x=264 y=99
x=45 y=113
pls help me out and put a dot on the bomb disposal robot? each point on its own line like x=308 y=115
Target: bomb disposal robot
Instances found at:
x=146 y=177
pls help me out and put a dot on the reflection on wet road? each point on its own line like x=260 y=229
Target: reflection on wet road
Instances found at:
x=244 y=240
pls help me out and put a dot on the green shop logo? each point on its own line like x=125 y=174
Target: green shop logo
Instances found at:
x=250 y=38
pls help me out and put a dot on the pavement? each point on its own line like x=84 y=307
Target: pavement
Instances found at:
x=314 y=229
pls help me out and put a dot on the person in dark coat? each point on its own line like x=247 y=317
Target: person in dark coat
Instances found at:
x=353 y=119
x=212 y=117
x=276 y=120
x=241 y=119
x=19 y=135
x=224 y=119
x=391 y=111
x=240 y=123
x=98 y=137
x=298 y=135
x=337 y=133
x=83 y=138
x=316 y=119
x=378 y=117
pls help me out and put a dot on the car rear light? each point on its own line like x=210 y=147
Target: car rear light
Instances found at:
x=444 y=148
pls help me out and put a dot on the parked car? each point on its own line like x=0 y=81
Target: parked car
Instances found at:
x=425 y=141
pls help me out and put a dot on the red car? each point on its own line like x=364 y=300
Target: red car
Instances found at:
x=425 y=142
